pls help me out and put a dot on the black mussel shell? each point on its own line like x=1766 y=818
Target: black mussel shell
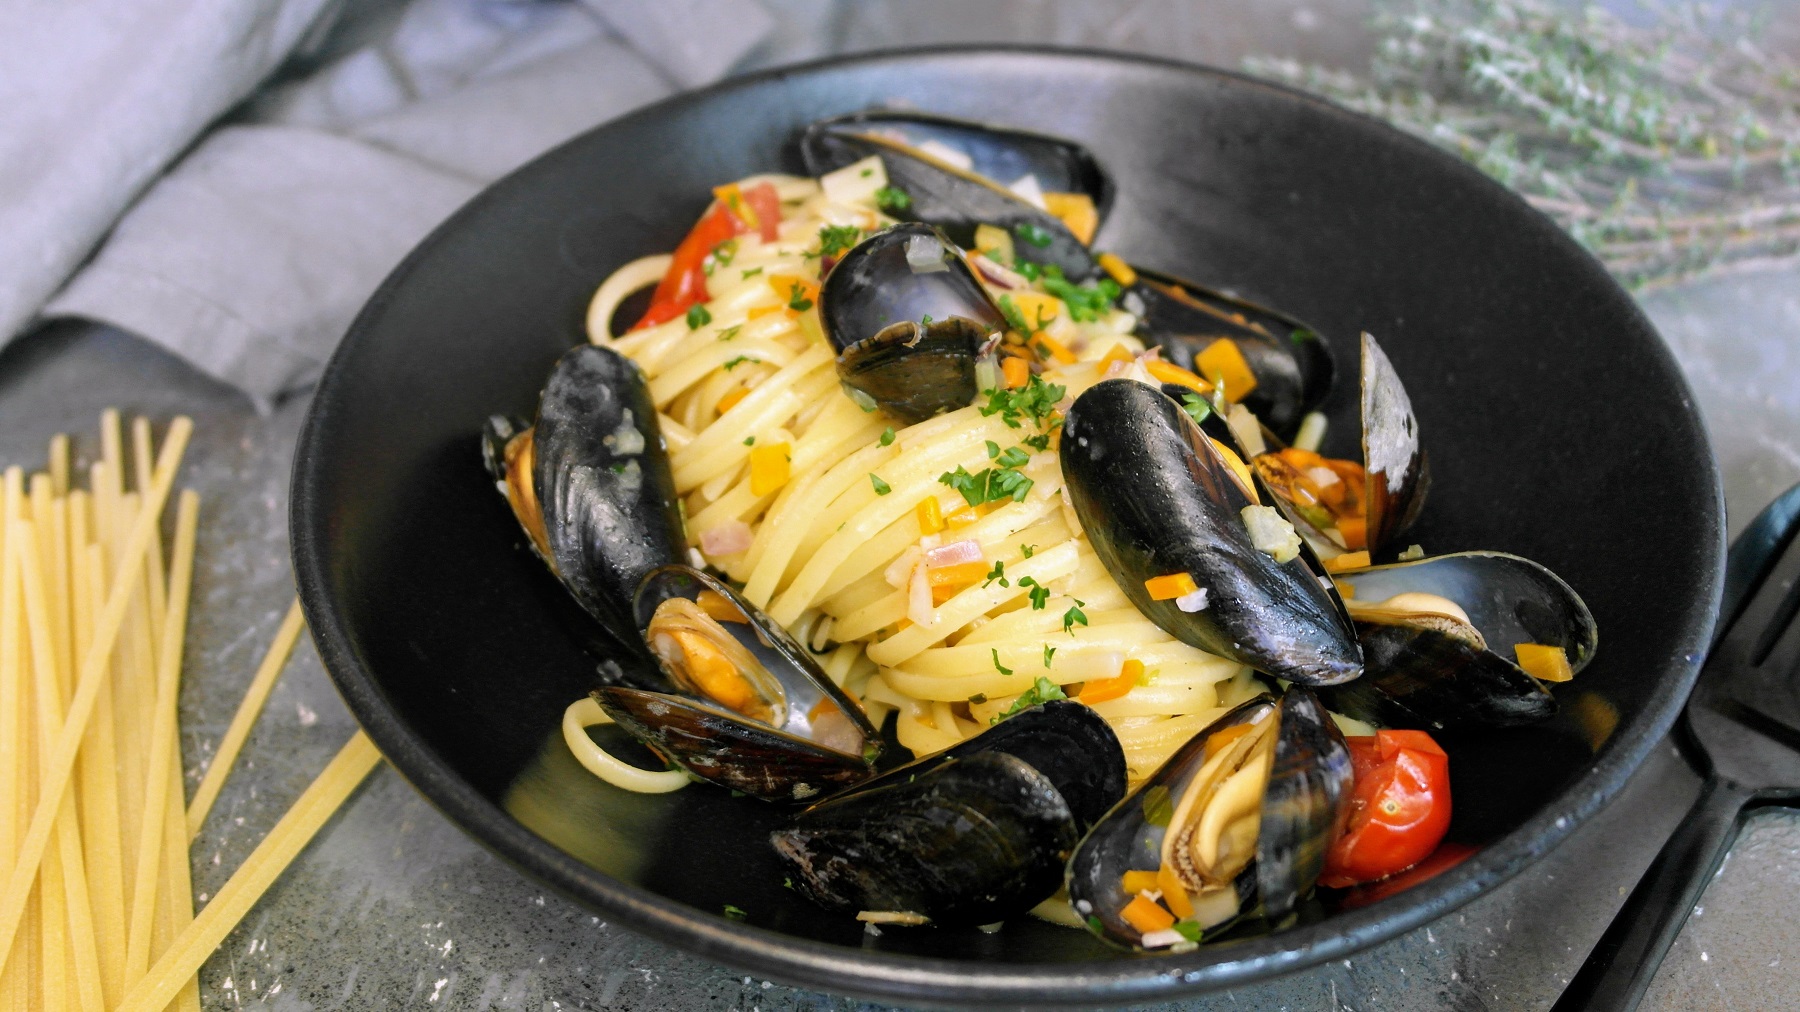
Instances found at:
x=1398 y=473
x=910 y=322
x=952 y=199
x=1424 y=678
x=603 y=483
x=813 y=707
x=1306 y=803
x=1155 y=498
x=721 y=747
x=1130 y=837
x=974 y=840
x=1292 y=364
x=1064 y=740
x=1002 y=154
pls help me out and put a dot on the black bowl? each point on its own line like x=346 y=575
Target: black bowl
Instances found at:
x=1558 y=424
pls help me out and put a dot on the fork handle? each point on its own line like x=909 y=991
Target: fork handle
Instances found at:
x=1625 y=959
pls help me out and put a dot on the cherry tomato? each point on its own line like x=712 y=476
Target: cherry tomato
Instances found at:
x=1399 y=808
x=684 y=284
x=1446 y=857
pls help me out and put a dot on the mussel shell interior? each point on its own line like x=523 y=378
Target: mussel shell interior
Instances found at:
x=954 y=200
x=1002 y=154
x=721 y=747
x=1393 y=454
x=974 y=840
x=604 y=483
x=1293 y=366
x=809 y=694
x=1130 y=838
x=1155 y=498
x=1064 y=740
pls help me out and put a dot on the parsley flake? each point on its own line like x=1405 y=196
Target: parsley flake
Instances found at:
x=740 y=360
x=881 y=487
x=1034 y=234
x=1027 y=551
x=1040 y=594
x=1074 y=617
x=979 y=697
x=1196 y=407
x=1085 y=302
x=1042 y=691
x=1003 y=669
x=893 y=200
x=1049 y=652
x=993 y=449
x=1013 y=457
x=997 y=573
x=797 y=300
x=749 y=440
x=1036 y=400
x=734 y=913
x=697 y=316
x=887 y=436
x=987 y=486
x=1039 y=442
x=753 y=272
x=730 y=332
x=835 y=239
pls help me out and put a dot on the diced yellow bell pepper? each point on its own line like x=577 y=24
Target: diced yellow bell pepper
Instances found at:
x=931 y=515
x=768 y=468
x=1117 y=269
x=1076 y=211
x=1543 y=662
x=1222 y=362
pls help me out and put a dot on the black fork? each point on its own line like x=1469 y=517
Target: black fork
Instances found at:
x=1743 y=722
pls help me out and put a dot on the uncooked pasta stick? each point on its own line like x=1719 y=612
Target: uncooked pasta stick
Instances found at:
x=54 y=779
x=226 y=756
x=99 y=791
x=142 y=456
x=246 y=886
x=163 y=744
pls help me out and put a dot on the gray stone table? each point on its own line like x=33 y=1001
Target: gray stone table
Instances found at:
x=393 y=907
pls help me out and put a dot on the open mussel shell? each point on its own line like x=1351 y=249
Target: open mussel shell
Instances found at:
x=775 y=727
x=1300 y=813
x=1155 y=498
x=1426 y=677
x=591 y=484
x=974 y=840
x=1394 y=459
x=1001 y=154
x=950 y=198
x=1064 y=740
x=910 y=322
x=1292 y=365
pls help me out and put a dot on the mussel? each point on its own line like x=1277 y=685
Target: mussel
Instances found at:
x=1342 y=506
x=750 y=710
x=1438 y=637
x=972 y=835
x=957 y=199
x=1237 y=823
x=1157 y=499
x=911 y=324
x=734 y=699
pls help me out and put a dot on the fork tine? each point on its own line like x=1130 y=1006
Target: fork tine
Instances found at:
x=1766 y=617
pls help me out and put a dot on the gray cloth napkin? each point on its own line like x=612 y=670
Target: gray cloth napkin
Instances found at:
x=252 y=254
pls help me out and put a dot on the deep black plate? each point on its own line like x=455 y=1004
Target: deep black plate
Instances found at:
x=1558 y=424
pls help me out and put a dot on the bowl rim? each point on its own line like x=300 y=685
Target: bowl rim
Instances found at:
x=897 y=977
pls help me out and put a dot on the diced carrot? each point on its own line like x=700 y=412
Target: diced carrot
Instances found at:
x=1347 y=591
x=1347 y=561
x=961 y=573
x=1101 y=690
x=757 y=312
x=1053 y=348
x=1138 y=882
x=1146 y=916
x=969 y=514
x=1170 y=587
x=1222 y=362
x=730 y=400
x=1016 y=371
x=1174 y=893
x=719 y=607
x=1118 y=353
x=1076 y=211
x=1169 y=372
x=1355 y=531
x=931 y=515
x=1118 y=269
x=1543 y=662
x=768 y=468
x=941 y=594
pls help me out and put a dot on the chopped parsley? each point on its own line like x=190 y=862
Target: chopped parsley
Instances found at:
x=697 y=316
x=1015 y=317
x=740 y=360
x=734 y=913
x=749 y=440
x=1003 y=669
x=1027 y=550
x=721 y=256
x=1042 y=691
x=1028 y=270
x=1037 y=235
x=987 y=486
x=1039 y=442
x=1190 y=930
x=753 y=272
x=730 y=332
x=835 y=239
x=1085 y=302
x=1196 y=407
x=887 y=436
x=1049 y=652
x=1036 y=400
x=1013 y=457
x=993 y=449
x=1094 y=925
x=893 y=200
x=1302 y=335
x=1074 y=617
x=797 y=300
x=1039 y=593
x=997 y=573
x=979 y=697
x=787 y=882
x=881 y=487
x=866 y=173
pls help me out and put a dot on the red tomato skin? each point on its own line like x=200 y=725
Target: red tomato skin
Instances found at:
x=1399 y=810
x=684 y=284
x=766 y=205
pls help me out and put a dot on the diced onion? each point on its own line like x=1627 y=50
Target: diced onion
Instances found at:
x=954 y=553
x=918 y=599
x=925 y=255
x=1312 y=432
x=855 y=183
x=1161 y=939
x=900 y=570
x=728 y=538
x=987 y=374
x=1271 y=533
x=1324 y=477
x=1029 y=191
x=1193 y=602
x=945 y=153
